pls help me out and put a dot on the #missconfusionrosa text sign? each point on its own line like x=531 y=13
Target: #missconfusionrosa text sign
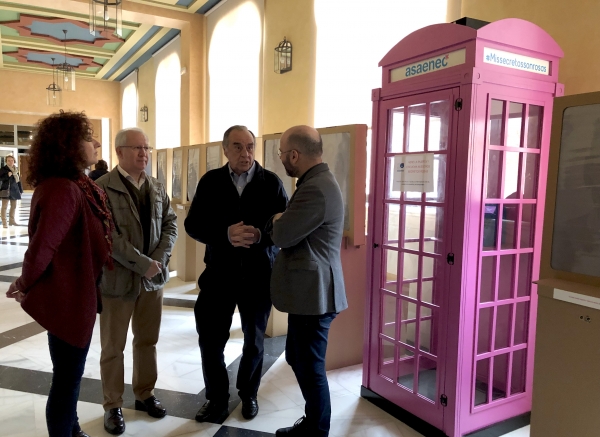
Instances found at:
x=413 y=173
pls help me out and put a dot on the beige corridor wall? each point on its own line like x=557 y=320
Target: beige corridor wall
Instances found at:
x=573 y=24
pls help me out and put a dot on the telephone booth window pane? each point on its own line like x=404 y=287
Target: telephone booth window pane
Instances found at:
x=482 y=373
x=503 y=326
x=429 y=293
x=515 y=124
x=427 y=330
x=510 y=214
x=496 y=122
x=408 y=311
x=511 y=175
x=388 y=359
x=519 y=371
x=439 y=119
x=527 y=226
x=534 y=126
x=506 y=277
x=388 y=312
x=409 y=289
x=410 y=266
x=524 y=284
x=490 y=226
x=427 y=378
x=522 y=323
x=416 y=128
x=390 y=260
x=434 y=229
x=531 y=164
x=391 y=193
x=412 y=227
x=494 y=174
x=500 y=377
x=488 y=279
x=406 y=368
x=393 y=222
x=485 y=330
x=439 y=180
x=396 y=143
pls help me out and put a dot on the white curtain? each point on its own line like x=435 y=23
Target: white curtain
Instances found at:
x=234 y=36
x=168 y=96
x=129 y=101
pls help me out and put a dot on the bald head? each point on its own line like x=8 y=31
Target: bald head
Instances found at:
x=305 y=139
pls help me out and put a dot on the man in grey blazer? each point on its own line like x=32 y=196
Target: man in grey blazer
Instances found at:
x=307 y=280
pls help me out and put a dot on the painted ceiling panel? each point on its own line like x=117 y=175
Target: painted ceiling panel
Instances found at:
x=8 y=31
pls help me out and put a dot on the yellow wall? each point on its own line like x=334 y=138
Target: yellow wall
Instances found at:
x=573 y=24
x=289 y=98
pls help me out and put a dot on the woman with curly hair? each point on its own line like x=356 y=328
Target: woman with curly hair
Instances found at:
x=70 y=229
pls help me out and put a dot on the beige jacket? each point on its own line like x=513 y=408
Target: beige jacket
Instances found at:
x=128 y=240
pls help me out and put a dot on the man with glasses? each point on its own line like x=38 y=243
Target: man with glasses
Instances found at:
x=229 y=211
x=307 y=281
x=132 y=290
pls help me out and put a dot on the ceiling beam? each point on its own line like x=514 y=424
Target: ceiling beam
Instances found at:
x=128 y=45
x=34 y=43
x=31 y=68
x=172 y=5
x=142 y=51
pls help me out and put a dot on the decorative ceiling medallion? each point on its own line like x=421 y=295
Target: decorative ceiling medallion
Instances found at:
x=47 y=27
x=43 y=58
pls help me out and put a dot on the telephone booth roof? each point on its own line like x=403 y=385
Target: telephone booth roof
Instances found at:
x=516 y=46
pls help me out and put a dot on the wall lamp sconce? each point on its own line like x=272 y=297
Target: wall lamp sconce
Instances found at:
x=144 y=114
x=283 y=57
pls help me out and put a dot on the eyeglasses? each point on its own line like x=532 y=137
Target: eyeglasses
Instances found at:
x=279 y=152
x=138 y=149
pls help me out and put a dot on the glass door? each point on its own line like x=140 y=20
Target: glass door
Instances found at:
x=410 y=265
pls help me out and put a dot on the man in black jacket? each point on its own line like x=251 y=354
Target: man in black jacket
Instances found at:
x=230 y=209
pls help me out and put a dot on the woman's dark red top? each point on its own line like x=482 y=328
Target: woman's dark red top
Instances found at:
x=63 y=264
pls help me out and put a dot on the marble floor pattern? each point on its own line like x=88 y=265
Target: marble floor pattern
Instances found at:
x=22 y=412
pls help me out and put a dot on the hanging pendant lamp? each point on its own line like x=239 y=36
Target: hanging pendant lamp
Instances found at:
x=54 y=92
x=100 y=12
x=66 y=70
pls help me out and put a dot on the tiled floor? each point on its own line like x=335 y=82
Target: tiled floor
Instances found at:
x=25 y=368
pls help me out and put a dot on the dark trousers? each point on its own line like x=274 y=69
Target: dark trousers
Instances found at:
x=305 y=350
x=214 y=311
x=68 y=363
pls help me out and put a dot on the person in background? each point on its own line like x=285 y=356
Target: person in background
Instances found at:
x=10 y=186
x=231 y=206
x=307 y=281
x=70 y=229
x=146 y=230
x=101 y=168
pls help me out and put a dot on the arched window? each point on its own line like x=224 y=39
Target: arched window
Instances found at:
x=129 y=102
x=234 y=65
x=168 y=97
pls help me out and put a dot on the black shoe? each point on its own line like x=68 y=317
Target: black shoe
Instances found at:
x=80 y=433
x=249 y=408
x=212 y=411
x=298 y=430
x=152 y=406
x=114 y=422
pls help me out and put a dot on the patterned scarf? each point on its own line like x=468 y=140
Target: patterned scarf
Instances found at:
x=98 y=201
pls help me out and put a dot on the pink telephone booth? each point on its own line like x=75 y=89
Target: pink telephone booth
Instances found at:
x=461 y=130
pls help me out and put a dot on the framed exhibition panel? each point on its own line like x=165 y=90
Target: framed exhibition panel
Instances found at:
x=161 y=166
x=214 y=155
x=193 y=170
x=177 y=175
x=272 y=162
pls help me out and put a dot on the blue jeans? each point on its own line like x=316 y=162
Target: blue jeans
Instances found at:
x=61 y=410
x=305 y=350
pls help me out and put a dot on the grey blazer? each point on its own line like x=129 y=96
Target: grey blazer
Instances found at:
x=131 y=264
x=307 y=276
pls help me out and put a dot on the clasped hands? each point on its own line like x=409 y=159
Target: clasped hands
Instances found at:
x=241 y=235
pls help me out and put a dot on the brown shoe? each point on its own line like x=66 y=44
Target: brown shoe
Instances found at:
x=114 y=423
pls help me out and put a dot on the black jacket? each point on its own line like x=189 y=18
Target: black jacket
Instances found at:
x=7 y=181
x=216 y=206
x=95 y=174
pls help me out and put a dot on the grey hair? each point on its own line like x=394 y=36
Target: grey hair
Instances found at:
x=306 y=144
x=237 y=127
x=121 y=137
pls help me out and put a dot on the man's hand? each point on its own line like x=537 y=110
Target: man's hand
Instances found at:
x=9 y=173
x=153 y=270
x=241 y=235
x=13 y=293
